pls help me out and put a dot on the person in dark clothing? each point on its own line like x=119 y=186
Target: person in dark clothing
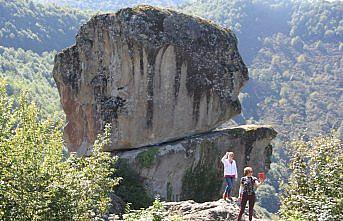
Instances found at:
x=247 y=192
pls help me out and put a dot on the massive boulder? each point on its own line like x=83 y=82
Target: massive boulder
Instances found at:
x=155 y=75
x=191 y=168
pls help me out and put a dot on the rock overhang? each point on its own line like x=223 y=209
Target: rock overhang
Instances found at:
x=183 y=72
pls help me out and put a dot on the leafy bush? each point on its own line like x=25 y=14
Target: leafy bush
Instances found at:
x=147 y=157
x=37 y=181
x=268 y=198
x=131 y=189
x=314 y=191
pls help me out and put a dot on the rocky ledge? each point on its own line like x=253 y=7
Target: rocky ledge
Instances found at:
x=191 y=168
x=219 y=210
x=209 y=211
x=154 y=74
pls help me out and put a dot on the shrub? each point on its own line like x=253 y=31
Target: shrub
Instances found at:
x=146 y=158
x=131 y=189
x=37 y=181
x=314 y=191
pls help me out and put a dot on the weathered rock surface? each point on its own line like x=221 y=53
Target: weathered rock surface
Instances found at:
x=216 y=210
x=191 y=168
x=219 y=210
x=154 y=74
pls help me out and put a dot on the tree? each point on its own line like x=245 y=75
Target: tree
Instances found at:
x=268 y=198
x=314 y=191
x=37 y=181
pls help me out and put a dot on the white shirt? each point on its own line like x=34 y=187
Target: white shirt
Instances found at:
x=229 y=168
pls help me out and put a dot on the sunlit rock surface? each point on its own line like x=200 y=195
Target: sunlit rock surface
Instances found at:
x=156 y=75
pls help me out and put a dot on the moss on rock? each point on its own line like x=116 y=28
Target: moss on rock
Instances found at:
x=131 y=189
x=169 y=191
x=146 y=158
x=203 y=182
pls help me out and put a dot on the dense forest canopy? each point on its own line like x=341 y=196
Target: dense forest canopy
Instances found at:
x=36 y=27
x=29 y=71
x=30 y=35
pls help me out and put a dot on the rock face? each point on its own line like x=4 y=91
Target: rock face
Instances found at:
x=209 y=211
x=155 y=75
x=191 y=168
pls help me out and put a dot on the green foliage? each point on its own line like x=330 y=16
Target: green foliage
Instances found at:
x=314 y=191
x=146 y=158
x=37 y=182
x=24 y=24
x=268 y=198
x=169 y=191
x=201 y=184
x=154 y=213
x=302 y=91
x=131 y=189
x=28 y=71
x=319 y=21
x=204 y=180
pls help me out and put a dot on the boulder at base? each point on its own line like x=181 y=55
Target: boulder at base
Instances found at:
x=209 y=211
x=191 y=168
x=154 y=74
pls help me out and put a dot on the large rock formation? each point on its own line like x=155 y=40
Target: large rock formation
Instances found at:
x=191 y=168
x=155 y=75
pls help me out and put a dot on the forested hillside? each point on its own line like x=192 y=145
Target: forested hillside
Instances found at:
x=30 y=35
x=35 y=27
x=29 y=71
x=112 y=5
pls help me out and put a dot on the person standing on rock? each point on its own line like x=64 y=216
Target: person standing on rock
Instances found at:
x=247 y=191
x=230 y=173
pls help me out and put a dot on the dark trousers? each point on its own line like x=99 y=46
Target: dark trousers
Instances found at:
x=229 y=185
x=245 y=199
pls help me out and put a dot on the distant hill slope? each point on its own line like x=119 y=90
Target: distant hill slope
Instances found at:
x=113 y=5
x=36 y=27
x=296 y=90
x=29 y=71
x=28 y=35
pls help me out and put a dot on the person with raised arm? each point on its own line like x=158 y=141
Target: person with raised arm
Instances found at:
x=247 y=192
x=230 y=173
